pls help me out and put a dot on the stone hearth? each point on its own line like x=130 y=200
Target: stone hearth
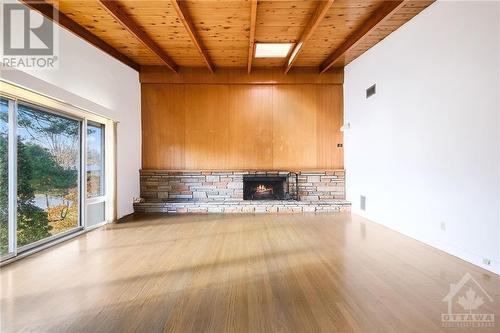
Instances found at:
x=222 y=192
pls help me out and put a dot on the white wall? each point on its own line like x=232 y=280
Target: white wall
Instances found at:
x=426 y=148
x=91 y=79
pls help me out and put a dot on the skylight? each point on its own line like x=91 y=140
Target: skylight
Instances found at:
x=272 y=50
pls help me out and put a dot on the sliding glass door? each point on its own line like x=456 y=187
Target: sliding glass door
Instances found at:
x=53 y=170
x=40 y=164
x=48 y=169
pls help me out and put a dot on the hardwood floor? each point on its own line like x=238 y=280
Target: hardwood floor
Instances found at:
x=237 y=273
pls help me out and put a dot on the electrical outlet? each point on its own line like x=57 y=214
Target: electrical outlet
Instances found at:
x=443 y=226
x=487 y=261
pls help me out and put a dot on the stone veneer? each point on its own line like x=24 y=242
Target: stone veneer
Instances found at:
x=222 y=192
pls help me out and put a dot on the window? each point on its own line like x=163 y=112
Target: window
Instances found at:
x=44 y=167
x=95 y=160
x=48 y=165
x=272 y=50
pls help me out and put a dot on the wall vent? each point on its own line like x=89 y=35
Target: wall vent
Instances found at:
x=371 y=91
x=487 y=261
x=362 y=202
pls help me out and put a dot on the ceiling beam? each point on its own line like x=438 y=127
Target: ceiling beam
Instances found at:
x=251 y=40
x=320 y=12
x=180 y=8
x=53 y=14
x=380 y=15
x=121 y=17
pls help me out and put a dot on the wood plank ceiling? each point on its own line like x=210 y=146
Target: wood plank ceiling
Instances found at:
x=221 y=33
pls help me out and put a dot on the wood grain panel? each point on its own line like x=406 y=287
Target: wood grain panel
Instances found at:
x=122 y=17
x=182 y=13
x=91 y=16
x=47 y=10
x=239 y=273
x=344 y=17
x=241 y=126
x=286 y=19
x=294 y=126
x=224 y=28
x=163 y=126
x=251 y=127
x=157 y=74
x=207 y=132
x=329 y=100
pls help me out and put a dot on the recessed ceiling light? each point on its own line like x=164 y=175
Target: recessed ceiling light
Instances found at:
x=272 y=50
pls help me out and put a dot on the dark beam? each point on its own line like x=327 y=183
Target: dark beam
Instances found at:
x=320 y=12
x=251 y=40
x=55 y=15
x=383 y=13
x=180 y=8
x=121 y=17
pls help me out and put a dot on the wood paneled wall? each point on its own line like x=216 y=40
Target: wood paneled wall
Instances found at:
x=227 y=126
x=303 y=75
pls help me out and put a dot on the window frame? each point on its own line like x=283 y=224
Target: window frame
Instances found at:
x=80 y=163
x=19 y=95
x=102 y=196
x=12 y=181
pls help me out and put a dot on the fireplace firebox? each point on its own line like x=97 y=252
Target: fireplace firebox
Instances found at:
x=267 y=187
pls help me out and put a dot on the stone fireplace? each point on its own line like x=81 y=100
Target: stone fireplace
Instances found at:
x=264 y=187
x=276 y=191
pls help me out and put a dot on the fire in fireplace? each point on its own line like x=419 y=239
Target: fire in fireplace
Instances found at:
x=263 y=187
